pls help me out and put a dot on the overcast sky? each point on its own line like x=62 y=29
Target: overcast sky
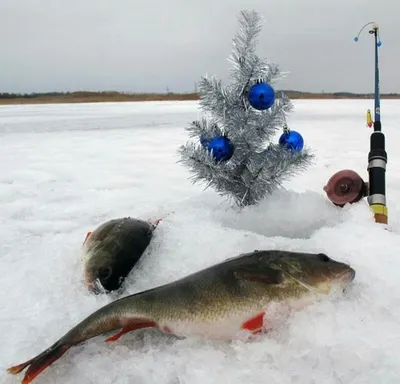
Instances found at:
x=149 y=45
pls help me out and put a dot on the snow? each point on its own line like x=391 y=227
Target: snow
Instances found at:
x=65 y=169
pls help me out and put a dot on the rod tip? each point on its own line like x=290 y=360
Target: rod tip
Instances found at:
x=356 y=39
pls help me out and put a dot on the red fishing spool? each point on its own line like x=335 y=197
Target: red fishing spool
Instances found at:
x=345 y=187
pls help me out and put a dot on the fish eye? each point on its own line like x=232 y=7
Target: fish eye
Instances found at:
x=105 y=273
x=323 y=257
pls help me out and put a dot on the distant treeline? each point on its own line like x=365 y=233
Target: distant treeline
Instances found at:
x=338 y=95
x=6 y=95
x=89 y=96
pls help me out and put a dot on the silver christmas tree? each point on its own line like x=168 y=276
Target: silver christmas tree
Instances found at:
x=255 y=166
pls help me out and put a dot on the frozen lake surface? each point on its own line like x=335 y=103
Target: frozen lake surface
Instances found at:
x=65 y=169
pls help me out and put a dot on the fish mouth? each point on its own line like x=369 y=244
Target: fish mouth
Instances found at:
x=92 y=283
x=96 y=287
x=347 y=276
x=89 y=279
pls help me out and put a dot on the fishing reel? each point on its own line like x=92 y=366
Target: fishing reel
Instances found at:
x=346 y=187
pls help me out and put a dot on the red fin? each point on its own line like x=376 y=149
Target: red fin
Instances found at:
x=255 y=324
x=39 y=363
x=87 y=236
x=161 y=219
x=132 y=326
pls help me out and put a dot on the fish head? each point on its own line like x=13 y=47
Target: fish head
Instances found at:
x=316 y=272
x=111 y=251
x=101 y=272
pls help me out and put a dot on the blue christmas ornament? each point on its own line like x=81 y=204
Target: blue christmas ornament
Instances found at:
x=204 y=141
x=222 y=148
x=261 y=96
x=291 y=140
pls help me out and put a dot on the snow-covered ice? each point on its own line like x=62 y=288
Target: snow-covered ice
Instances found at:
x=65 y=169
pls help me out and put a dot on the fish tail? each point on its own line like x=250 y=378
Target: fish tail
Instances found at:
x=104 y=320
x=99 y=322
x=40 y=362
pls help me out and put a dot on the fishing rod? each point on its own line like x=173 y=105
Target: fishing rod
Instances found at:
x=377 y=156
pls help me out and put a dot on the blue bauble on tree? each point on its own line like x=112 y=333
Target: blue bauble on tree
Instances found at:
x=222 y=148
x=261 y=96
x=291 y=140
x=204 y=141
